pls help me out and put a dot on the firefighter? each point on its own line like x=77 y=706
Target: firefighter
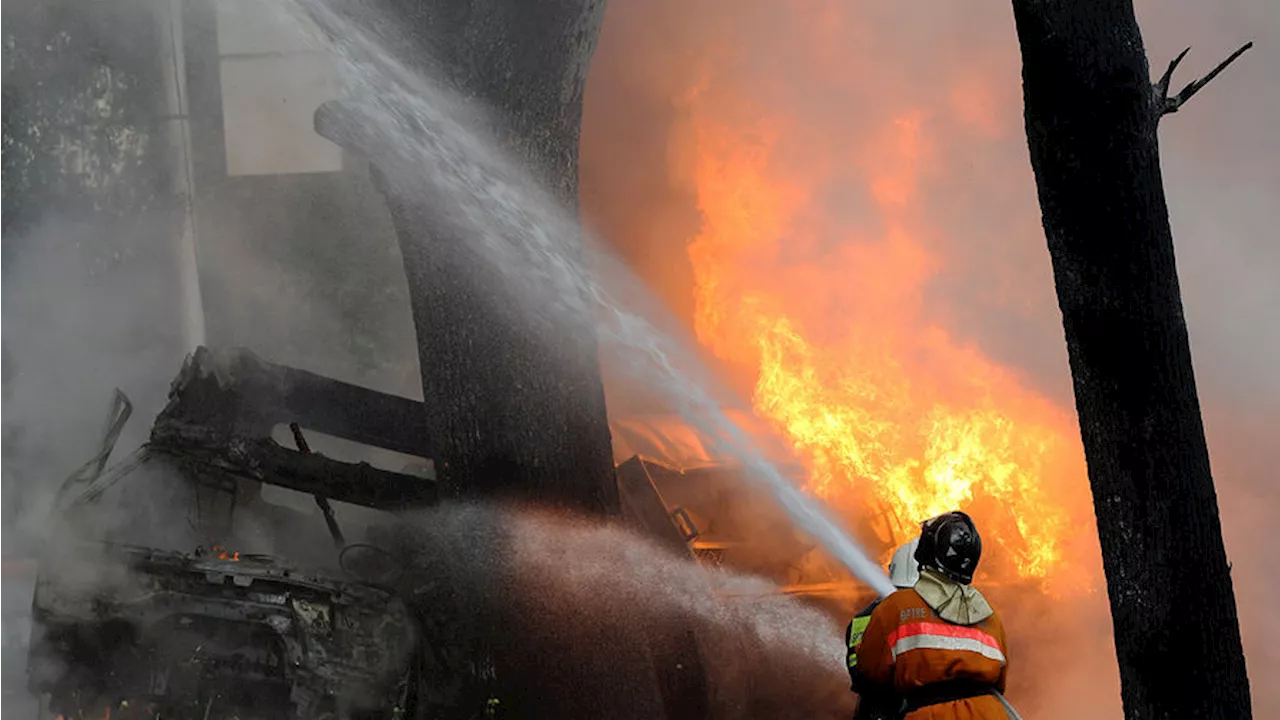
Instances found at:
x=939 y=646
x=873 y=704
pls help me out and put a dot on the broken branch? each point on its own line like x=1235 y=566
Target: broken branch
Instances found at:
x=1165 y=104
x=1162 y=87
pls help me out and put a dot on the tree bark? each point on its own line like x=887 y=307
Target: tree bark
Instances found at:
x=513 y=415
x=510 y=413
x=1091 y=120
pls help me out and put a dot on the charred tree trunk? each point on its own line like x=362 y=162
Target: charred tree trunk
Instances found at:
x=511 y=413
x=514 y=415
x=1091 y=118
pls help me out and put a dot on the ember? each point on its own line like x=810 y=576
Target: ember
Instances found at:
x=222 y=554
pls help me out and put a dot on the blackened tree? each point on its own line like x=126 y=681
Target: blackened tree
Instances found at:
x=515 y=409
x=512 y=414
x=1091 y=120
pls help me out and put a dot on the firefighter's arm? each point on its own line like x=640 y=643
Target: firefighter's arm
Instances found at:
x=875 y=665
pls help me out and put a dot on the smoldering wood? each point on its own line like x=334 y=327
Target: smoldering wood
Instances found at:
x=235 y=391
x=223 y=407
x=1094 y=149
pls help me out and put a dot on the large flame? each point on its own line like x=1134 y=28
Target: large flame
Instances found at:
x=811 y=270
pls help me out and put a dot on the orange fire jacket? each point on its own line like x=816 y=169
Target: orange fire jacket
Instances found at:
x=908 y=646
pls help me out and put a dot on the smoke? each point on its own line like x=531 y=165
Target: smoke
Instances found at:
x=301 y=269
x=799 y=651
x=90 y=306
x=92 y=289
x=85 y=311
x=824 y=82
x=1220 y=179
x=580 y=605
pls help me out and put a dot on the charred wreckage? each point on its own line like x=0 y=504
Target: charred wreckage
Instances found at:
x=177 y=588
x=162 y=603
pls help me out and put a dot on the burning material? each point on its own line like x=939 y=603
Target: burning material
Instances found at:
x=217 y=552
x=814 y=257
x=222 y=554
x=886 y=408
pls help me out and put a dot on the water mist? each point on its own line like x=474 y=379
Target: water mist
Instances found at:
x=428 y=141
x=584 y=603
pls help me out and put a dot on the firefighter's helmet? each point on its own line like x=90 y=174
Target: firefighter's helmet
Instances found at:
x=949 y=543
x=904 y=570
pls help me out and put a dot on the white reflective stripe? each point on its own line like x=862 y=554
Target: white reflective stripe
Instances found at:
x=925 y=641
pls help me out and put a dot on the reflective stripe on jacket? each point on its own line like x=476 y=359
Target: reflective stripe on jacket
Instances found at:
x=907 y=646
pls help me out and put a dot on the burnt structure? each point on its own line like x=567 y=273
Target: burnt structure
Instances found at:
x=224 y=406
x=149 y=603
x=216 y=636
x=176 y=590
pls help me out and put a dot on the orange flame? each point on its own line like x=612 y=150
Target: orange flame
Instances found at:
x=895 y=418
x=223 y=554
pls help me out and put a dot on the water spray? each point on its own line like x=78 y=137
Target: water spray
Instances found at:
x=419 y=134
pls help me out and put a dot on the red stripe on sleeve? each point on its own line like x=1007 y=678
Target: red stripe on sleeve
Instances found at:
x=944 y=629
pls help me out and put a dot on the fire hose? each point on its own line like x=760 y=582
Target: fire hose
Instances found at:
x=1013 y=714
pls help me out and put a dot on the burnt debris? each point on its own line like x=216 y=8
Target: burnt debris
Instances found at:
x=224 y=405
